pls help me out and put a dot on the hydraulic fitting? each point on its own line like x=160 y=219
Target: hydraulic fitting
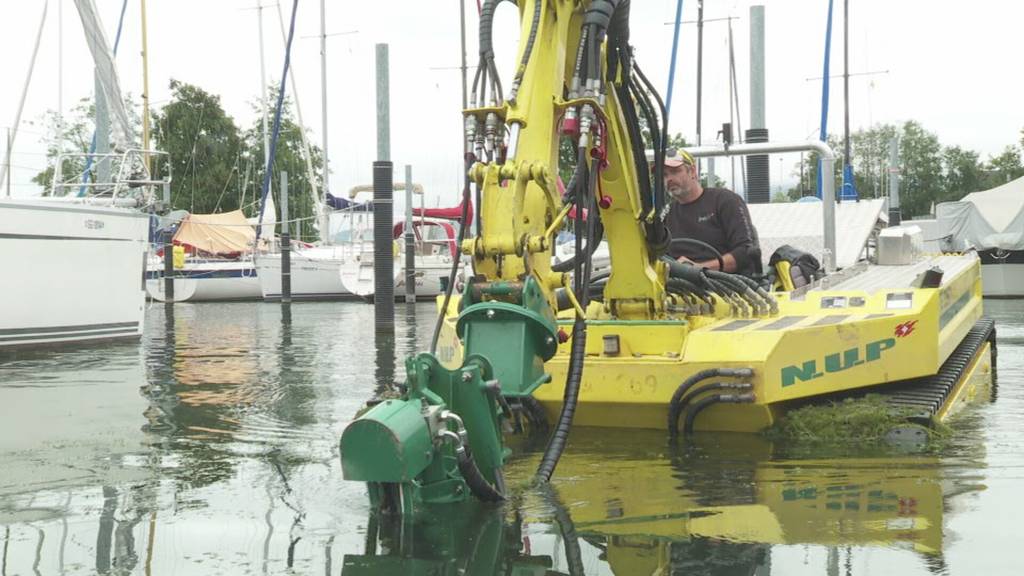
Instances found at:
x=490 y=131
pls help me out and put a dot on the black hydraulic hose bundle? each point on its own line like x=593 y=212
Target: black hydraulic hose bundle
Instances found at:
x=674 y=408
x=486 y=69
x=704 y=246
x=534 y=25
x=584 y=196
x=701 y=390
x=567 y=529
x=707 y=401
x=659 y=151
x=478 y=485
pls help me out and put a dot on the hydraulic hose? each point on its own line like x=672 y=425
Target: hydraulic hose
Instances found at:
x=659 y=153
x=729 y=294
x=701 y=390
x=567 y=529
x=707 y=401
x=478 y=485
x=684 y=387
x=701 y=244
x=741 y=288
x=577 y=355
x=455 y=261
x=534 y=25
x=560 y=436
x=589 y=250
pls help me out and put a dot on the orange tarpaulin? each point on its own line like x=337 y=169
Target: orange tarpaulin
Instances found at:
x=221 y=234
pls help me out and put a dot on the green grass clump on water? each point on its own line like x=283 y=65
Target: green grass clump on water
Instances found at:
x=864 y=421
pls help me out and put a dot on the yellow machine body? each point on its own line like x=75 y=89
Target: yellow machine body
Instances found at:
x=820 y=343
x=638 y=350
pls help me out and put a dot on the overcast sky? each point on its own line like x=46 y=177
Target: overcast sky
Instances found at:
x=948 y=67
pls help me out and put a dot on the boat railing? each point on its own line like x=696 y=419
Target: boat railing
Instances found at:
x=828 y=192
x=117 y=178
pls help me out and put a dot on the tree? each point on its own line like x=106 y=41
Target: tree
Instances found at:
x=870 y=150
x=963 y=174
x=288 y=157
x=811 y=168
x=1003 y=168
x=203 y=147
x=77 y=130
x=921 y=170
x=77 y=133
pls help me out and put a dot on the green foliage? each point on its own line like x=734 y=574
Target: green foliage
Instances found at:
x=963 y=173
x=288 y=157
x=79 y=125
x=929 y=172
x=921 y=170
x=862 y=422
x=1003 y=168
x=707 y=182
x=204 y=147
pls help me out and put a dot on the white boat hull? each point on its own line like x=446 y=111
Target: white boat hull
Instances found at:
x=358 y=277
x=206 y=281
x=76 y=272
x=1002 y=280
x=316 y=274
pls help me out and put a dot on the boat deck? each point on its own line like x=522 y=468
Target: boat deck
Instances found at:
x=873 y=278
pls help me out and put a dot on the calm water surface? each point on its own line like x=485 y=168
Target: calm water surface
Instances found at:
x=211 y=448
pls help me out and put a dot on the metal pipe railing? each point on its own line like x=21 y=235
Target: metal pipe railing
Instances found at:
x=828 y=191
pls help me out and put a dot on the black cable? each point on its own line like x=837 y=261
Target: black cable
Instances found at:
x=700 y=390
x=475 y=479
x=707 y=401
x=699 y=407
x=455 y=260
x=529 y=45
x=659 y=154
x=577 y=356
x=684 y=387
x=701 y=244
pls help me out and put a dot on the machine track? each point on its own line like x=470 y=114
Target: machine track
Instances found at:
x=928 y=394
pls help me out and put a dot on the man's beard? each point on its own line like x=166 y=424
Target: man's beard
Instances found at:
x=676 y=191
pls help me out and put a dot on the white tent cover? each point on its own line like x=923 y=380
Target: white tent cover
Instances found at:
x=985 y=220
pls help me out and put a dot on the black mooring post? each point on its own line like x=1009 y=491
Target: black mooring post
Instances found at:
x=168 y=266
x=383 y=260
x=168 y=249
x=410 y=241
x=286 y=244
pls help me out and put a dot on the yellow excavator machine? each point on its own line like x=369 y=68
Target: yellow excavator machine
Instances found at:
x=647 y=342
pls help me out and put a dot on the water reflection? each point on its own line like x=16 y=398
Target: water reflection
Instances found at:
x=227 y=462
x=714 y=507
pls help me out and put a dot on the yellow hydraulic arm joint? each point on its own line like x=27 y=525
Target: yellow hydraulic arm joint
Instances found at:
x=521 y=208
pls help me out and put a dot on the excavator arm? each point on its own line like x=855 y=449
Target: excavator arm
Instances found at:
x=576 y=86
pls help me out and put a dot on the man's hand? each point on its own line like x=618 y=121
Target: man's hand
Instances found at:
x=685 y=260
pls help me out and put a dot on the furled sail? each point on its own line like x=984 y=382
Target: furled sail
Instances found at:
x=103 y=57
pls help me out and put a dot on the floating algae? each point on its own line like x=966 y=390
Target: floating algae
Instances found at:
x=865 y=421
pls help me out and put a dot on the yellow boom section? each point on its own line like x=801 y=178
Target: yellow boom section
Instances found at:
x=521 y=206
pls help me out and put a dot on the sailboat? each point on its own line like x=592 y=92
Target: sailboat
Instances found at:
x=213 y=260
x=435 y=233
x=77 y=260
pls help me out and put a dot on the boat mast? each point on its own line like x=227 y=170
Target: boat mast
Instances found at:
x=324 y=223
x=21 y=102
x=846 y=95
x=263 y=100
x=306 y=156
x=145 y=91
x=58 y=167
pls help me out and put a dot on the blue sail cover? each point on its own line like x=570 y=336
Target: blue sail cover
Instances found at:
x=849 y=191
x=343 y=203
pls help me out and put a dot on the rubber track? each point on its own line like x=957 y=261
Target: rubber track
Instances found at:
x=926 y=395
